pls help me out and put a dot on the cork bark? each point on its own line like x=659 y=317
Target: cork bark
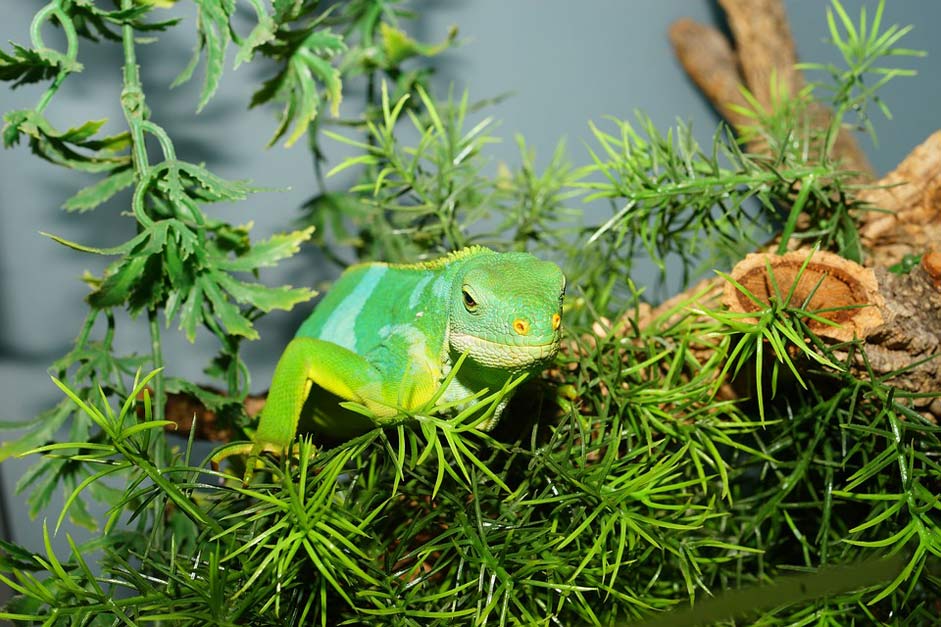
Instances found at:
x=896 y=318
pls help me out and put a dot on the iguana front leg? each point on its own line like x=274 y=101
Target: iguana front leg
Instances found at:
x=307 y=362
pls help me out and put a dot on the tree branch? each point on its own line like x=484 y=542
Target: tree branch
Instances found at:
x=763 y=52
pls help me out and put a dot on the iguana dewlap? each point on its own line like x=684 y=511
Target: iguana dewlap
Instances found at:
x=386 y=335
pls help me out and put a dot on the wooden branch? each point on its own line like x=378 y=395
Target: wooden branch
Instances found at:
x=764 y=51
x=710 y=62
x=905 y=220
x=903 y=327
x=911 y=336
x=765 y=46
x=906 y=215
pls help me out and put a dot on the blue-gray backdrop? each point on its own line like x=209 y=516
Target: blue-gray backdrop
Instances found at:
x=566 y=63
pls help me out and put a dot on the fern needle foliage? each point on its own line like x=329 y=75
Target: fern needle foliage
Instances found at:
x=623 y=483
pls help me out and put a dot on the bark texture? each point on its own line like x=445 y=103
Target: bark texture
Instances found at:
x=906 y=208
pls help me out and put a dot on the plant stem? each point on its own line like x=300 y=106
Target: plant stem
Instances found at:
x=132 y=96
x=53 y=9
x=157 y=357
x=132 y=102
x=169 y=153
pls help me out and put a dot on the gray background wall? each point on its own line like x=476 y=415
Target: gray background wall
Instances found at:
x=567 y=63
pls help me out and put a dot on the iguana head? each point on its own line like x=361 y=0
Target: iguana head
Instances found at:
x=505 y=310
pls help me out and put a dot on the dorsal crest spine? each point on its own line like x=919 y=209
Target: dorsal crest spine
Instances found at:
x=434 y=264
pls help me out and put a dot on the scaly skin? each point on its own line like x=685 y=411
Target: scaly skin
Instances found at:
x=387 y=335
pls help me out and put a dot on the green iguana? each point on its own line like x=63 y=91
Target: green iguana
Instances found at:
x=386 y=336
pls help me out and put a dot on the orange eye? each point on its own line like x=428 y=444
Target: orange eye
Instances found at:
x=521 y=326
x=556 y=321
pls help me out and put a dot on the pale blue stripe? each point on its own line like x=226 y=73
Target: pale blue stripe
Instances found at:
x=415 y=299
x=340 y=327
x=442 y=289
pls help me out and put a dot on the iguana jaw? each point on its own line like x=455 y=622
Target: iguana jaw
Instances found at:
x=501 y=355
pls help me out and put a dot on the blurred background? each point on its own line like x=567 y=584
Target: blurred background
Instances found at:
x=562 y=63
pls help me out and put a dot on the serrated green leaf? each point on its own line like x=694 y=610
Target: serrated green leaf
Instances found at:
x=42 y=429
x=262 y=33
x=213 y=188
x=14 y=556
x=229 y=314
x=42 y=479
x=397 y=46
x=118 y=16
x=11 y=130
x=151 y=291
x=214 y=36
x=187 y=72
x=91 y=21
x=117 y=286
x=90 y=197
x=191 y=313
x=178 y=271
x=60 y=153
x=213 y=401
x=115 y=250
x=229 y=238
x=287 y=10
x=303 y=101
x=31 y=66
x=60 y=147
x=261 y=296
x=97 y=359
x=137 y=278
x=75 y=134
x=330 y=77
x=305 y=63
x=266 y=253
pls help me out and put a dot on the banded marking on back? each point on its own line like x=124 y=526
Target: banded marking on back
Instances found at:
x=418 y=292
x=340 y=326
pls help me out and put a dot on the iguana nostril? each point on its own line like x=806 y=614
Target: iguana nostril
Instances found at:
x=556 y=321
x=521 y=326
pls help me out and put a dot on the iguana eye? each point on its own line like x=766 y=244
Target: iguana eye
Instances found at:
x=469 y=303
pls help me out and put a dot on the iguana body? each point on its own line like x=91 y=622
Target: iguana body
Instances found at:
x=385 y=336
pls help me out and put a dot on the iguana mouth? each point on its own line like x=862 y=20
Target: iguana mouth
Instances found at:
x=502 y=355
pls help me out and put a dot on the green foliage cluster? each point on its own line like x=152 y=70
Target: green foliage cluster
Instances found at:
x=620 y=485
